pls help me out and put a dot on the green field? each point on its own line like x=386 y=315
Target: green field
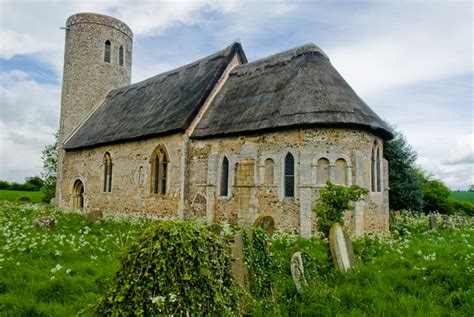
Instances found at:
x=412 y=272
x=463 y=196
x=13 y=195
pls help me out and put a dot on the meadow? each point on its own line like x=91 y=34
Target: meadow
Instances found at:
x=463 y=196
x=13 y=195
x=412 y=271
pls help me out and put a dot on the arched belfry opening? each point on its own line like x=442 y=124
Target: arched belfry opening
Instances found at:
x=78 y=195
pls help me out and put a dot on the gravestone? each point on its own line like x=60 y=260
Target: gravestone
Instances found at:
x=266 y=223
x=95 y=215
x=446 y=222
x=45 y=222
x=432 y=221
x=341 y=248
x=297 y=272
x=239 y=269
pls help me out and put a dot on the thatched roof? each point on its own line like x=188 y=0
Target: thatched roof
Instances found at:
x=159 y=105
x=296 y=88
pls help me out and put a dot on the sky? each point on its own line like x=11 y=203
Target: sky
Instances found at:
x=410 y=61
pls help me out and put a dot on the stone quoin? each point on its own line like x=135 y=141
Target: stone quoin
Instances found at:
x=221 y=139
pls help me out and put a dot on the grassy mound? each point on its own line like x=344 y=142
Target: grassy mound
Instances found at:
x=176 y=267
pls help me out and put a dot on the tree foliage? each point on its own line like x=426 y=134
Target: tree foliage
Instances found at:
x=334 y=200
x=404 y=177
x=50 y=167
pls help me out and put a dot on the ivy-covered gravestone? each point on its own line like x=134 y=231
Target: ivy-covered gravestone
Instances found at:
x=297 y=272
x=341 y=248
x=267 y=223
x=239 y=269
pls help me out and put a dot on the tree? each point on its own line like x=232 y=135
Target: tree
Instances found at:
x=436 y=197
x=35 y=181
x=404 y=177
x=334 y=200
x=50 y=166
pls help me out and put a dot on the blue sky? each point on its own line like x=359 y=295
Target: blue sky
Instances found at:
x=412 y=62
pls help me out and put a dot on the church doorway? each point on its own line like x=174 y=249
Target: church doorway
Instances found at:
x=78 y=195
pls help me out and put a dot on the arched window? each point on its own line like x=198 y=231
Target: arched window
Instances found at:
x=107 y=165
x=289 y=175
x=121 y=55
x=376 y=182
x=322 y=171
x=159 y=170
x=225 y=177
x=107 y=50
x=341 y=167
x=269 y=170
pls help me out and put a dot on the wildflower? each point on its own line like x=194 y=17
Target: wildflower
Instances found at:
x=68 y=271
x=56 y=268
x=157 y=299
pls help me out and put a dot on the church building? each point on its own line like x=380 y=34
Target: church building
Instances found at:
x=220 y=140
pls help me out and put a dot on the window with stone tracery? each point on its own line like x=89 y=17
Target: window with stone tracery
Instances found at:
x=159 y=171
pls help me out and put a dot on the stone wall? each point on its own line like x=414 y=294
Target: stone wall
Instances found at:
x=340 y=155
x=256 y=176
x=131 y=179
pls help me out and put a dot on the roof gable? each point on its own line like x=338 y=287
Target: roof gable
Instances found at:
x=163 y=104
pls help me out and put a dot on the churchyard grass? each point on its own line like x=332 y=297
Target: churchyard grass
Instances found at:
x=413 y=271
x=13 y=195
x=463 y=196
x=57 y=271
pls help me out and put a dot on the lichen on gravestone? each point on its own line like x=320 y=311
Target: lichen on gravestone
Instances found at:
x=341 y=248
x=94 y=216
x=297 y=272
x=45 y=222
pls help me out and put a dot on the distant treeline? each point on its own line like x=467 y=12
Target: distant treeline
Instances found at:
x=31 y=184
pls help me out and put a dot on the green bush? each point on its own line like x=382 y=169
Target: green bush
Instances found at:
x=24 y=199
x=4 y=185
x=334 y=200
x=175 y=268
x=436 y=197
x=463 y=207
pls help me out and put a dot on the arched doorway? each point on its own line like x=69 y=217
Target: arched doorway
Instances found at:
x=78 y=195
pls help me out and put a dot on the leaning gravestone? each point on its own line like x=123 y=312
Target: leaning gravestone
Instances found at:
x=341 y=248
x=266 y=223
x=432 y=220
x=297 y=272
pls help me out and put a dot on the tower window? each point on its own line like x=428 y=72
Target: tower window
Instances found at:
x=376 y=179
x=289 y=175
x=107 y=49
x=121 y=55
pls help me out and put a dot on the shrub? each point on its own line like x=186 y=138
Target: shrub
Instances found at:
x=463 y=207
x=436 y=197
x=24 y=199
x=334 y=200
x=175 y=268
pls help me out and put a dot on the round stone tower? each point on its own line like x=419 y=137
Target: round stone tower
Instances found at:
x=97 y=58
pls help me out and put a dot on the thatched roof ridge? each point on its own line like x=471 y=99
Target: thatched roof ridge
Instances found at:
x=162 y=104
x=296 y=88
